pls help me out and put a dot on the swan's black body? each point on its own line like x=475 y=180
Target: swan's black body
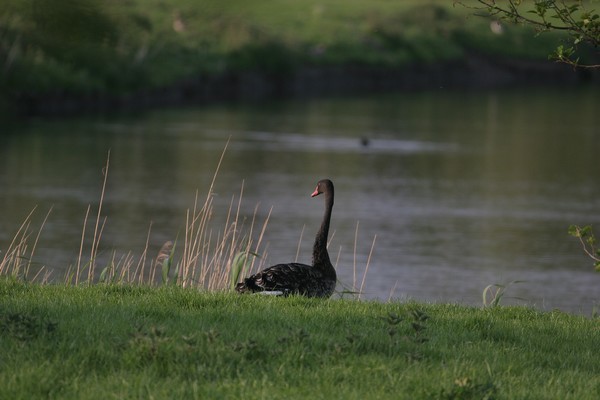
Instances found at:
x=317 y=280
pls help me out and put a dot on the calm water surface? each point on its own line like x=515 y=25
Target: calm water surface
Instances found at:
x=461 y=190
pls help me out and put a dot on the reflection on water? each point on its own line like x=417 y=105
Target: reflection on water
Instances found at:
x=462 y=190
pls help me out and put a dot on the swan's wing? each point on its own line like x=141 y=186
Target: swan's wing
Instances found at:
x=290 y=277
x=287 y=278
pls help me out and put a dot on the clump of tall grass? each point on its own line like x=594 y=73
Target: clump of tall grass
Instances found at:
x=209 y=260
x=493 y=298
x=206 y=257
x=16 y=260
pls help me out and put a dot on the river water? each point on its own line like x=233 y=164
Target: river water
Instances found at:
x=460 y=189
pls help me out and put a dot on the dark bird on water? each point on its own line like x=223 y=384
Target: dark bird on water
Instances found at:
x=317 y=280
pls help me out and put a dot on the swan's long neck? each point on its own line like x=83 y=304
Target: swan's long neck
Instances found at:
x=320 y=254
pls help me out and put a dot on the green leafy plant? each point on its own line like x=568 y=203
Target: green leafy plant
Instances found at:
x=165 y=262
x=492 y=298
x=239 y=266
x=587 y=239
x=415 y=323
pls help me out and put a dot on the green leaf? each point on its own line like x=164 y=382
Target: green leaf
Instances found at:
x=238 y=263
x=103 y=274
x=238 y=266
x=597 y=266
x=573 y=230
x=586 y=230
x=176 y=272
x=573 y=8
x=166 y=266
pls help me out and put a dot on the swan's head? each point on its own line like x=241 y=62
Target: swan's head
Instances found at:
x=324 y=185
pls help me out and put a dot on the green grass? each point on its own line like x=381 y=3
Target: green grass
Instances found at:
x=111 y=47
x=139 y=342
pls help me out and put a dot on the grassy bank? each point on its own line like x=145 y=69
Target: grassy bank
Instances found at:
x=139 y=342
x=91 y=48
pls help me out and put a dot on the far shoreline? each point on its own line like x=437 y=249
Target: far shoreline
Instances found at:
x=474 y=72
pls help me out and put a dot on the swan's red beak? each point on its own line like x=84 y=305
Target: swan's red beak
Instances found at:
x=315 y=193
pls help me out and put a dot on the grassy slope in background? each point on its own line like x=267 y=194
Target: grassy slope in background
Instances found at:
x=92 y=47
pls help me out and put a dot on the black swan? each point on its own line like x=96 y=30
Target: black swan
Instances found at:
x=317 y=280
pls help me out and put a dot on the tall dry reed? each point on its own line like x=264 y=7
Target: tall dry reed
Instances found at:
x=17 y=259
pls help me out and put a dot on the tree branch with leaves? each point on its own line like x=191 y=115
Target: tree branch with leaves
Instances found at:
x=588 y=242
x=573 y=17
